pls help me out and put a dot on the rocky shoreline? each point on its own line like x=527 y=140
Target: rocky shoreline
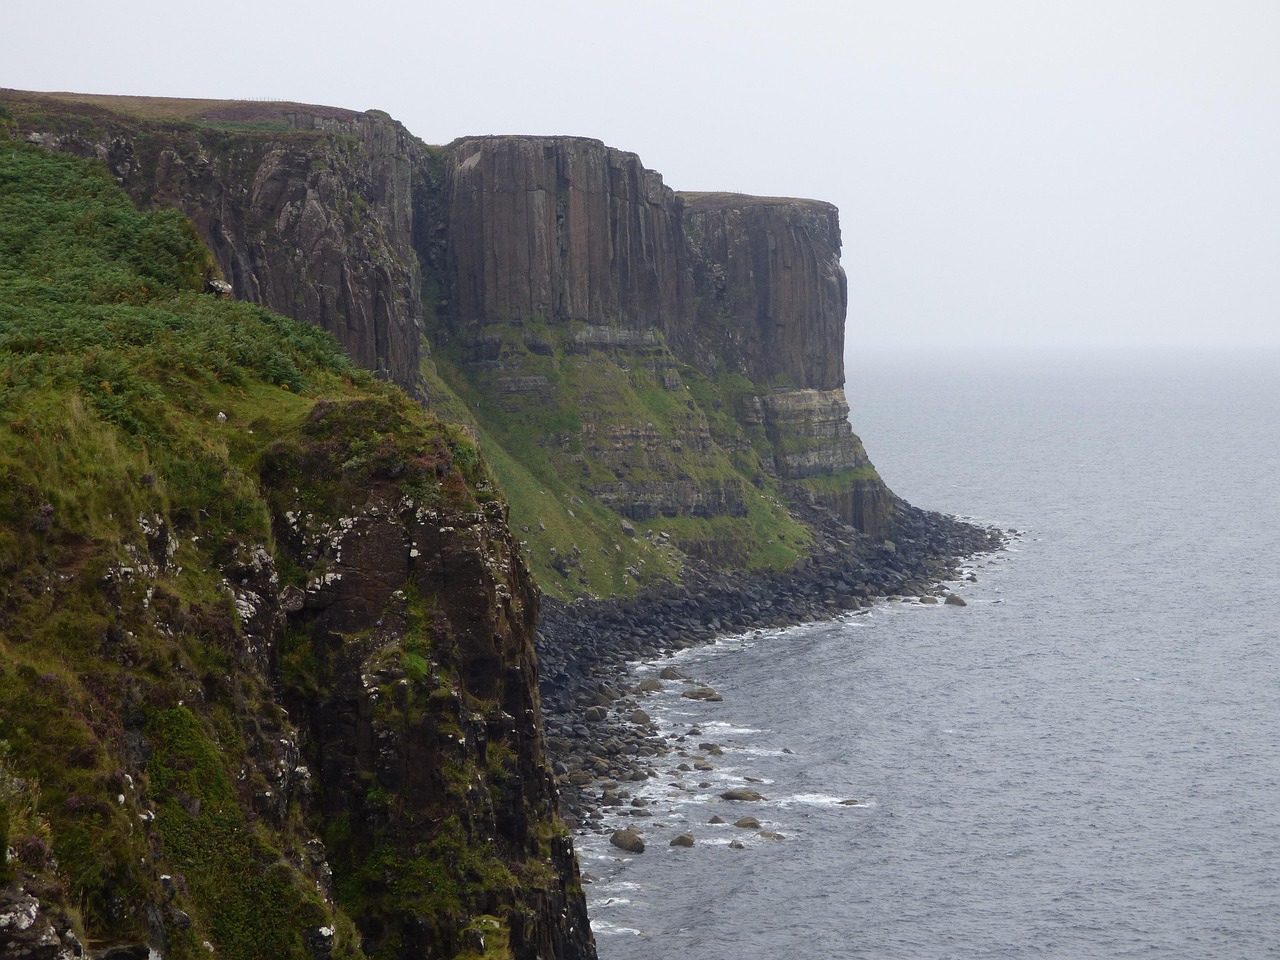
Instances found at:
x=598 y=734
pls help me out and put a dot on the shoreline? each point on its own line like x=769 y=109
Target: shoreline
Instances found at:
x=597 y=734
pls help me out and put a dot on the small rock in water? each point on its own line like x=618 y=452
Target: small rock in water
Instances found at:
x=743 y=795
x=747 y=823
x=671 y=673
x=955 y=601
x=702 y=693
x=928 y=599
x=850 y=803
x=627 y=840
x=737 y=845
x=716 y=819
x=753 y=779
x=684 y=840
x=769 y=835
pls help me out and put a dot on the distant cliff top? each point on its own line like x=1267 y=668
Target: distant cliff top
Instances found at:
x=263 y=113
x=698 y=201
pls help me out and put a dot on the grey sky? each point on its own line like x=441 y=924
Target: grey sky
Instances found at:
x=1008 y=171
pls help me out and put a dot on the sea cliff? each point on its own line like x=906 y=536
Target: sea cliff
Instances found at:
x=566 y=381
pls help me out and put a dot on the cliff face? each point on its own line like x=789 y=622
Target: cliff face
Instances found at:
x=773 y=293
x=562 y=229
x=772 y=302
x=626 y=353
x=309 y=213
x=267 y=680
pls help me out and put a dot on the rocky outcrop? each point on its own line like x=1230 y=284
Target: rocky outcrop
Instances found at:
x=308 y=210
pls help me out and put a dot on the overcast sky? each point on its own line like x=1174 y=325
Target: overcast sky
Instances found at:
x=1038 y=172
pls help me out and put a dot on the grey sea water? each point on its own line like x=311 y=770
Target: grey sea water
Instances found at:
x=1082 y=762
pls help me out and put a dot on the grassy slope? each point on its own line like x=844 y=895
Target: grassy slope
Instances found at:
x=129 y=402
x=538 y=449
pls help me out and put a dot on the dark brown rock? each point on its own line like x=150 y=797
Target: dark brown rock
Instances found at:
x=627 y=840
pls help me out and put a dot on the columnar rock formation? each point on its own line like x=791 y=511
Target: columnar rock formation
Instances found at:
x=562 y=229
x=773 y=293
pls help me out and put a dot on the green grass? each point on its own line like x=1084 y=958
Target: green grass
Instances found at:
x=556 y=458
x=152 y=436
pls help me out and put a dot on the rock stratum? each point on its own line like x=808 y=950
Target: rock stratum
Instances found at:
x=268 y=628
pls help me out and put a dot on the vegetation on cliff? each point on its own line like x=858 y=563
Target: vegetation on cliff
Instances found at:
x=187 y=484
x=654 y=377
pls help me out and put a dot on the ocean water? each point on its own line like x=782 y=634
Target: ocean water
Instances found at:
x=1084 y=761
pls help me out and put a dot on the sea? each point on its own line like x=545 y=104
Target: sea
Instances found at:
x=1082 y=761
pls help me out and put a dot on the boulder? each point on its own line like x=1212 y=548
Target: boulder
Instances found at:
x=955 y=601
x=684 y=840
x=748 y=796
x=747 y=823
x=702 y=693
x=627 y=840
